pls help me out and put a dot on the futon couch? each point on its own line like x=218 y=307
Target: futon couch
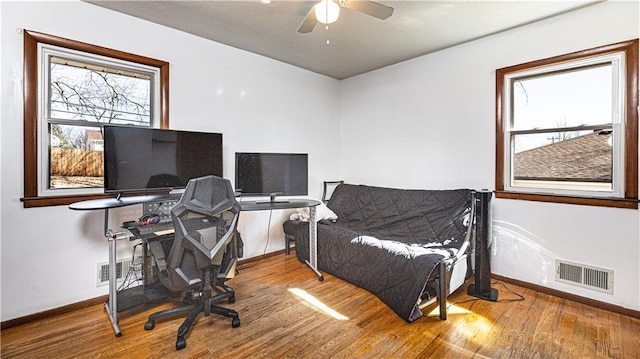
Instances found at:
x=407 y=247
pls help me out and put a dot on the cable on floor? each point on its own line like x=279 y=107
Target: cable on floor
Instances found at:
x=519 y=298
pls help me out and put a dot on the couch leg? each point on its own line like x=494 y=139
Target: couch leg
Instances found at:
x=444 y=289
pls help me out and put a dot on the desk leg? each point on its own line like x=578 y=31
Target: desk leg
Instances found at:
x=313 y=243
x=111 y=305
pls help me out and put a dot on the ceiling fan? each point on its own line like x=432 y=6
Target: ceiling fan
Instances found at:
x=327 y=12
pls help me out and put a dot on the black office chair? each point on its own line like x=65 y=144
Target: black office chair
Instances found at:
x=203 y=254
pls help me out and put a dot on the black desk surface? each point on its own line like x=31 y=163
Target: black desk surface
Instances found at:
x=266 y=205
x=106 y=203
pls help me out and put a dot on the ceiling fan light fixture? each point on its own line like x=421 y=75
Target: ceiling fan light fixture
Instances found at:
x=327 y=11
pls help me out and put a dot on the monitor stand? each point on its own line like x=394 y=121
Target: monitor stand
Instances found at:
x=272 y=199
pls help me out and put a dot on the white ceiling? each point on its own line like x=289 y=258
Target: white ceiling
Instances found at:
x=358 y=43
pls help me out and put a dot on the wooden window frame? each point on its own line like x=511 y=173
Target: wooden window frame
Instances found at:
x=630 y=198
x=31 y=121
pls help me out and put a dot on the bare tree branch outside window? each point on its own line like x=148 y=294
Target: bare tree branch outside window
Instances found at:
x=82 y=98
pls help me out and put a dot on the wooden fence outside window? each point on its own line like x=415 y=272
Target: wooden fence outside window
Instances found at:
x=76 y=162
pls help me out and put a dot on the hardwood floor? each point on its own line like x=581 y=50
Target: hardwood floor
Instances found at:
x=277 y=321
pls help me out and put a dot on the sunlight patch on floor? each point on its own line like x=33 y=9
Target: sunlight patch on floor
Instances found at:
x=451 y=309
x=475 y=328
x=317 y=304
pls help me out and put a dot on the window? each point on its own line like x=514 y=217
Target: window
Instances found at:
x=566 y=128
x=72 y=90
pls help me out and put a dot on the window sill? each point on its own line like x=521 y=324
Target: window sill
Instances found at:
x=48 y=201
x=587 y=201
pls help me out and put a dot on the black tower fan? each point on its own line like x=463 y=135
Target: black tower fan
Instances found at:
x=482 y=274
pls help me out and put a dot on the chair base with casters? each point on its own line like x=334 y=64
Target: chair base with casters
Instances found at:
x=197 y=302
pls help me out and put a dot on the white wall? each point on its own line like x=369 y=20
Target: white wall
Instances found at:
x=49 y=255
x=429 y=123
x=425 y=123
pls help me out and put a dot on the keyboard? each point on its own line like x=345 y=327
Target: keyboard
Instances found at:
x=146 y=231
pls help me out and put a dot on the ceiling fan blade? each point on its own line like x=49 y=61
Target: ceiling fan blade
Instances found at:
x=369 y=7
x=309 y=22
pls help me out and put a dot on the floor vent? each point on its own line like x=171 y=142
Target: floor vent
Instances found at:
x=122 y=268
x=585 y=276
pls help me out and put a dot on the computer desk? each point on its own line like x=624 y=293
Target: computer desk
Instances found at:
x=109 y=203
x=106 y=204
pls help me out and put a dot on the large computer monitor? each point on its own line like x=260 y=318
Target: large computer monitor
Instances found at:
x=272 y=174
x=145 y=159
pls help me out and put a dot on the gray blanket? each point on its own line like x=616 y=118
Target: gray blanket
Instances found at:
x=388 y=241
